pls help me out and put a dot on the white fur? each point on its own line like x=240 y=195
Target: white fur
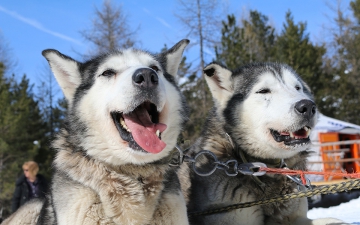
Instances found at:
x=220 y=85
x=278 y=105
x=29 y=214
x=280 y=114
x=117 y=94
x=66 y=73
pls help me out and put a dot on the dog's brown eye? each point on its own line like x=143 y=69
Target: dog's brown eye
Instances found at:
x=155 y=68
x=108 y=73
x=264 y=91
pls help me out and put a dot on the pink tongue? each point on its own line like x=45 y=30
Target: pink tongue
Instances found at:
x=144 y=131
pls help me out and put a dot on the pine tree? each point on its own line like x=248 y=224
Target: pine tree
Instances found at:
x=21 y=128
x=341 y=97
x=53 y=109
x=259 y=36
x=294 y=48
x=198 y=113
x=231 y=51
x=252 y=40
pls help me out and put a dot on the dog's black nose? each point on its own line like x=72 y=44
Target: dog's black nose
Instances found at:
x=146 y=78
x=306 y=108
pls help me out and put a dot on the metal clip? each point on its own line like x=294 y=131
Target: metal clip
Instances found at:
x=300 y=185
x=252 y=168
x=179 y=160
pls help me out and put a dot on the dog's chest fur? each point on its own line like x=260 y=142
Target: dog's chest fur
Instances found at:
x=219 y=190
x=134 y=189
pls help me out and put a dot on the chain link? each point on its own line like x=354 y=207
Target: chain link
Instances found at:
x=231 y=167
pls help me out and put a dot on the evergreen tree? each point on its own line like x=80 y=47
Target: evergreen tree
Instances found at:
x=21 y=128
x=341 y=97
x=231 y=51
x=252 y=40
x=53 y=108
x=198 y=113
x=294 y=48
x=259 y=36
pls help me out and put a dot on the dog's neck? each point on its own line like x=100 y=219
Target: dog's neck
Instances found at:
x=245 y=158
x=272 y=163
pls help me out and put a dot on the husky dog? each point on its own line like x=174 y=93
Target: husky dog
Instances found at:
x=263 y=112
x=125 y=113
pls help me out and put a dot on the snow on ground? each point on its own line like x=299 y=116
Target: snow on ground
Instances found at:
x=348 y=212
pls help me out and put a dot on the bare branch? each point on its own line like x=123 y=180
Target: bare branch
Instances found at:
x=201 y=19
x=110 y=29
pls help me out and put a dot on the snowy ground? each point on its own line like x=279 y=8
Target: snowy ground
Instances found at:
x=348 y=212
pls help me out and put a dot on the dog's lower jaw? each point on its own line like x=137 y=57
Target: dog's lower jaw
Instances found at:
x=275 y=150
x=298 y=137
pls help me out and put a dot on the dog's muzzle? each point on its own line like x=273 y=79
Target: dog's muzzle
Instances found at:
x=306 y=111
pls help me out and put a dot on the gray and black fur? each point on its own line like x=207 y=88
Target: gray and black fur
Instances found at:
x=240 y=127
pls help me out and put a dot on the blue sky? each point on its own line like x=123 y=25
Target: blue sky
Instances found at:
x=30 y=26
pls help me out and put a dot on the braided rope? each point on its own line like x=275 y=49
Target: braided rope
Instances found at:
x=326 y=189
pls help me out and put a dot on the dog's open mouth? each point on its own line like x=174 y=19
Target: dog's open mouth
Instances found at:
x=292 y=138
x=141 y=128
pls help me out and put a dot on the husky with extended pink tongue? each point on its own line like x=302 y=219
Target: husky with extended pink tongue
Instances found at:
x=125 y=113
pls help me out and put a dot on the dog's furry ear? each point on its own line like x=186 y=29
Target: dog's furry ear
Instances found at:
x=218 y=79
x=66 y=71
x=173 y=56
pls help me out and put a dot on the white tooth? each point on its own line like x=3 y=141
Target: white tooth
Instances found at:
x=291 y=134
x=158 y=133
x=123 y=124
x=306 y=128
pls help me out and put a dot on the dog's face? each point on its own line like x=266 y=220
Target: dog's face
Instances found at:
x=267 y=108
x=124 y=107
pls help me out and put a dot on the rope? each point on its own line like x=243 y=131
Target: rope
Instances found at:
x=303 y=173
x=326 y=189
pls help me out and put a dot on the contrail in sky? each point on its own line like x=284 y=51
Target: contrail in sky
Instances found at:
x=162 y=21
x=38 y=25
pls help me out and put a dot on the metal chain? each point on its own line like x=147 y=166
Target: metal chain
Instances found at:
x=231 y=167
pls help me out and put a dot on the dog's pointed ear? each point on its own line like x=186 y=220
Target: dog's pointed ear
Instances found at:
x=172 y=57
x=66 y=71
x=218 y=79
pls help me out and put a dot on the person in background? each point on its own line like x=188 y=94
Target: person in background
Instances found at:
x=29 y=185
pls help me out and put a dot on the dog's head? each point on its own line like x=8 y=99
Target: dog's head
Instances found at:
x=265 y=107
x=123 y=106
